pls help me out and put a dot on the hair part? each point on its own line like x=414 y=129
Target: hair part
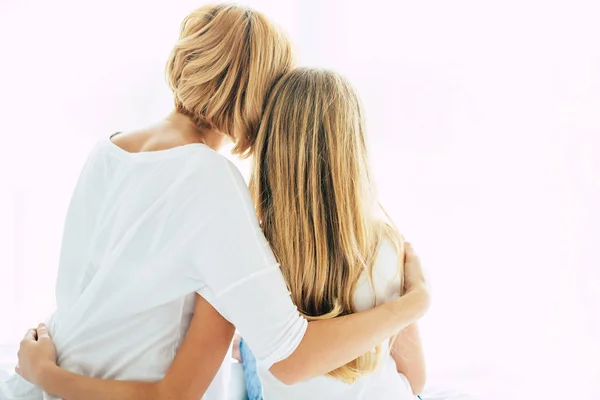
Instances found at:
x=315 y=199
x=221 y=68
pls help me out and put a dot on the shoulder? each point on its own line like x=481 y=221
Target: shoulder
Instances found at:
x=386 y=280
x=218 y=182
x=387 y=269
x=131 y=141
x=388 y=250
x=214 y=168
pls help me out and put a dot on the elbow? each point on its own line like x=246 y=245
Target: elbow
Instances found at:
x=286 y=374
x=418 y=384
x=164 y=391
x=292 y=370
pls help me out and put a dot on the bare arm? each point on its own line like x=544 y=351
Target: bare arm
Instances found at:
x=328 y=344
x=407 y=352
x=325 y=346
x=194 y=367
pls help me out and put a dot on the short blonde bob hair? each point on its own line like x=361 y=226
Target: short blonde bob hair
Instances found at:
x=222 y=67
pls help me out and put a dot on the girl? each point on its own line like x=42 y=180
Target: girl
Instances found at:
x=314 y=197
x=161 y=228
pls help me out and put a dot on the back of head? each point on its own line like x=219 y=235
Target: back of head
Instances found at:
x=314 y=196
x=221 y=68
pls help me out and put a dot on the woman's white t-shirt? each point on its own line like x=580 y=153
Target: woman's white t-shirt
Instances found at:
x=143 y=233
x=383 y=384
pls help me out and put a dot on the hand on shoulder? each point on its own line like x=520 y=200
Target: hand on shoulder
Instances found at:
x=414 y=277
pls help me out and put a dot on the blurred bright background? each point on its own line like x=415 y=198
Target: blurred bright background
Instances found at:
x=484 y=121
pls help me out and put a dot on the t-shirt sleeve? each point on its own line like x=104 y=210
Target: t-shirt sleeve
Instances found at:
x=241 y=276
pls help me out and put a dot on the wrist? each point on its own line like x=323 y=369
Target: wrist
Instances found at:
x=420 y=289
x=44 y=373
x=413 y=304
x=422 y=294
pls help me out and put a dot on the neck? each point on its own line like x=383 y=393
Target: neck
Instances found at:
x=191 y=133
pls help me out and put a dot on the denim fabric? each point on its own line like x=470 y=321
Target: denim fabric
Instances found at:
x=253 y=385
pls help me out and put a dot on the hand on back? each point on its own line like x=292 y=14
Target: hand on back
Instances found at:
x=35 y=352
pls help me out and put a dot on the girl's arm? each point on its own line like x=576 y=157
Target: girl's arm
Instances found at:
x=407 y=352
x=194 y=367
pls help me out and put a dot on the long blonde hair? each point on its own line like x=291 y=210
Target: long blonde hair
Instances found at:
x=314 y=197
x=221 y=68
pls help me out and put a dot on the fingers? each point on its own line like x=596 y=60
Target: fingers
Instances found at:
x=36 y=334
x=30 y=335
x=42 y=332
x=409 y=252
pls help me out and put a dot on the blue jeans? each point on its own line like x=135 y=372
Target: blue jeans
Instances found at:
x=253 y=385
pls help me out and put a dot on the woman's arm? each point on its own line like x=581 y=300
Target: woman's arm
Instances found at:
x=328 y=344
x=407 y=352
x=194 y=367
x=245 y=284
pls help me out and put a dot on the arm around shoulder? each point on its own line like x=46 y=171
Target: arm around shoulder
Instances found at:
x=329 y=344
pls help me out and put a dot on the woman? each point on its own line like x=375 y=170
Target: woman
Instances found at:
x=319 y=212
x=162 y=228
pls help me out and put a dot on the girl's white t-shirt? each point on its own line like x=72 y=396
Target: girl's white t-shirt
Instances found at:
x=385 y=383
x=143 y=233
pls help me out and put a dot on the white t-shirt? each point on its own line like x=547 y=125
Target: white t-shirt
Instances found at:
x=383 y=384
x=143 y=233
